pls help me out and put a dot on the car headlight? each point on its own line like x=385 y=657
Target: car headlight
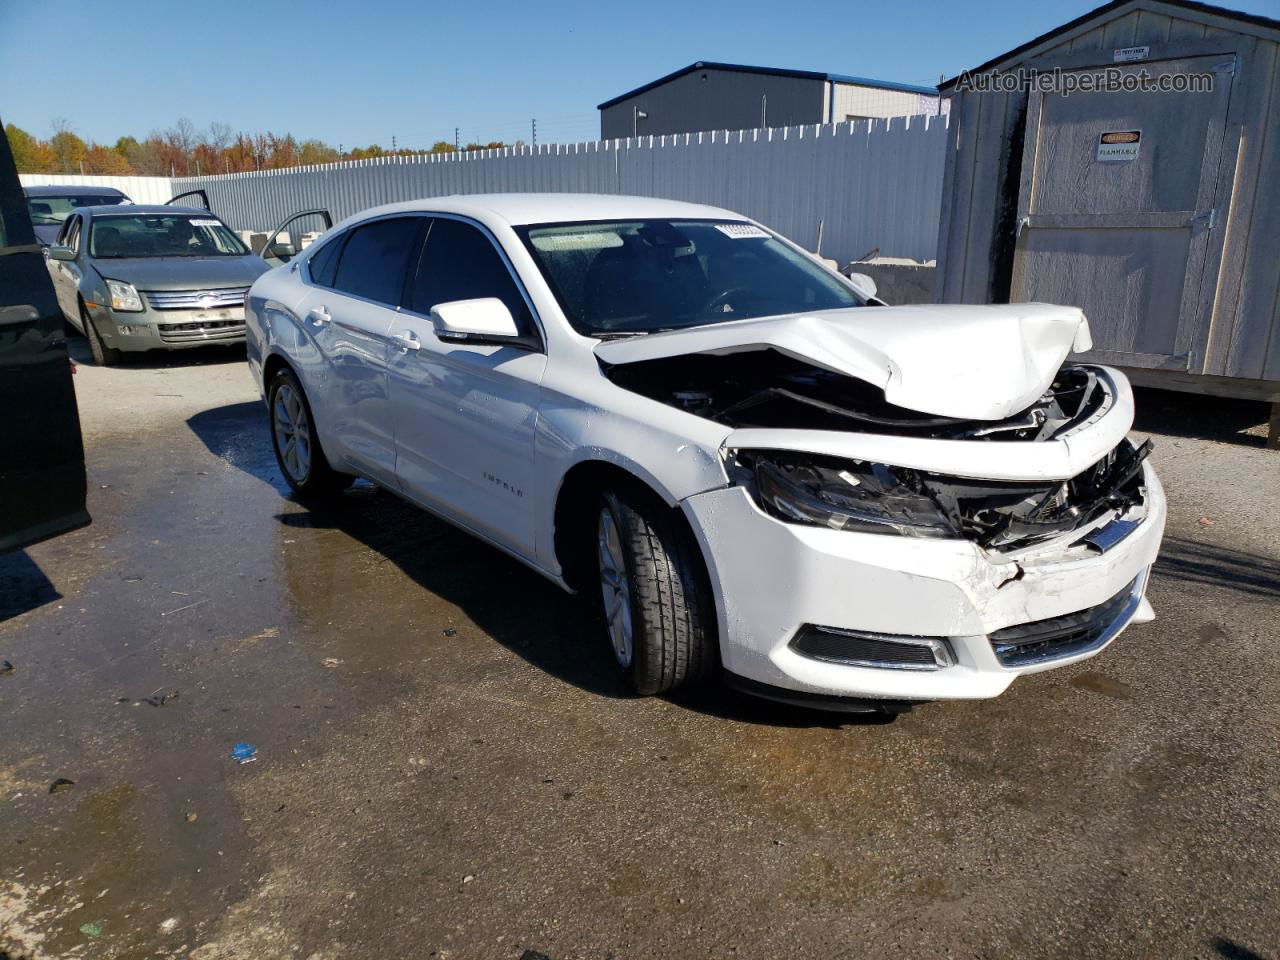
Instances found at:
x=841 y=494
x=124 y=298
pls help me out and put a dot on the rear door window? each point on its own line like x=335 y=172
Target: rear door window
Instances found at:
x=459 y=262
x=375 y=259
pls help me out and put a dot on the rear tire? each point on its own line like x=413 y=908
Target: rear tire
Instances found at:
x=103 y=355
x=657 y=597
x=294 y=440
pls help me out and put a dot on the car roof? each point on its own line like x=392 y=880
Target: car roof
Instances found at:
x=71 y=189
x=518 y=209
x=129 y=209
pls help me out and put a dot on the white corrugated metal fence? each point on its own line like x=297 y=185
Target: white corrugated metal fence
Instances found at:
x=864 y=184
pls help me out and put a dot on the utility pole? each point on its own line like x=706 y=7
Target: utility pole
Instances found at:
x=82 y=167
x=457 y=140
x=393 y=143
x=534 y=124
x=764 y=110
x=636 y=116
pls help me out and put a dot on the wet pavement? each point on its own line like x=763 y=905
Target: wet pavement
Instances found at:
x=447 y=767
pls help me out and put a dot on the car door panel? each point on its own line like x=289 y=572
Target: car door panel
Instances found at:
x=466 y=412
x=351 y=335
x=465 y=419
x=349 y=323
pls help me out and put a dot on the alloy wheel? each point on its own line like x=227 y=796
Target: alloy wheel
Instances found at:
x=615 y=587
x=292 y=432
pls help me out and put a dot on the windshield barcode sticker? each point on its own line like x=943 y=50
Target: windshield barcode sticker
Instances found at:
x=205 y=223
x=741 y=231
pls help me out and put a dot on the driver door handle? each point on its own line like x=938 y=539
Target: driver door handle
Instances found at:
x=406 y=341
x=319 y=316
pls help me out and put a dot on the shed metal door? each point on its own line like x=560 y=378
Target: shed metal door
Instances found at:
x=1126 y=238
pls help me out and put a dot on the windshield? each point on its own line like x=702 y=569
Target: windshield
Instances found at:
x=162 y=235
x=641 y=276
x=46 y=210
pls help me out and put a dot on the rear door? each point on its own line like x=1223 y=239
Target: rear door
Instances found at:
x=42 y=480
x=350 y=319
x=1116 y=209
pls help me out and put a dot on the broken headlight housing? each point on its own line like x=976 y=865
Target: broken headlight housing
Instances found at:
x=841 y=494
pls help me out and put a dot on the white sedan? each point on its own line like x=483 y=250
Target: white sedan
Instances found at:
x=754 y=467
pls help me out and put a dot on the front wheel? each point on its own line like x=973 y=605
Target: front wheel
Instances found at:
x=657 y=599
x=103 y=355
x=293 y=437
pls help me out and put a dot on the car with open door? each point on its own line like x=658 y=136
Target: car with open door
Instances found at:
x=42 y=478
x=753 y=467
x=145 y=277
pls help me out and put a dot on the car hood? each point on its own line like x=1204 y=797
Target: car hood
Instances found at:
x=183 y=273
x=974 y=362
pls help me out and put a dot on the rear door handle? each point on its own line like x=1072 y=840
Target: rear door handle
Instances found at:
x=406 y=341
x=319 y=316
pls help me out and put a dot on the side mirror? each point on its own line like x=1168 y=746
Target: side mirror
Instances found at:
x=282 y=251
x=484 y=319
x=61 y=252
x=866 y=286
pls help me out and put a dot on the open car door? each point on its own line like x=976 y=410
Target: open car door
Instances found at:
x=42 y=481
x=295 y=235
x=204 y=198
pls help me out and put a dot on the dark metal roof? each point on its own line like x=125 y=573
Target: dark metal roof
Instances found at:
x=1189 y=5
x=772 y=71
x=71 y=190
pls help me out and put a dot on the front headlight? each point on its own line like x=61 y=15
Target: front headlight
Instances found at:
x=124 y=298
x=842 y=494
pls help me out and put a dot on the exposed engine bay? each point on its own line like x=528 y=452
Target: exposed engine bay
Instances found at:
x=767 y=389
x=764 y=388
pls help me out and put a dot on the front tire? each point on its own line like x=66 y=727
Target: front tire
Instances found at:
x=103 y=355
x=294 y=440
x=657 y=598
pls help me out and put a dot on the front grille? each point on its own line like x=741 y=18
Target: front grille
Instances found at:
x=203 y=330
x=855 y=648
x=1069 y=634
x=195 y=299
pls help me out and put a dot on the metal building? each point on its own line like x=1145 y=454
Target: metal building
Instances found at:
x=726 y=96
x=1151 y=203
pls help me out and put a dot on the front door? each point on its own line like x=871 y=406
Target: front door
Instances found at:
x=465 y=413
x=1116 y=209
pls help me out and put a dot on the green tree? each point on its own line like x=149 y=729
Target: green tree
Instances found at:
x=67 y=148
x=316 y=151
x=29 y=154
x=443 y=146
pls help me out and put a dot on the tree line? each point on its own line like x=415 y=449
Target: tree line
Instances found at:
x=183 y=151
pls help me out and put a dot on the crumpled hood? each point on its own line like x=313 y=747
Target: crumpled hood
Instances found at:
x=973 y=362
x=183 y=273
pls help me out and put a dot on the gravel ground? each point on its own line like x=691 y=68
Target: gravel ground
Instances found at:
x=447 y=766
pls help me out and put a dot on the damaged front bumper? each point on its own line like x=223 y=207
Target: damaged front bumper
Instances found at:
x=847 y=614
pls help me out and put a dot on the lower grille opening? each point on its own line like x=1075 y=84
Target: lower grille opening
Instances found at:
x=1069 y=634
x=200 y=330
x=859 y=649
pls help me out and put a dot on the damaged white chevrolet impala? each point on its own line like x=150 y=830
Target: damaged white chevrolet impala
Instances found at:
x=752 y=466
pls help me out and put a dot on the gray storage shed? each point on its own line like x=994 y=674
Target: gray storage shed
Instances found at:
x=1153 y=203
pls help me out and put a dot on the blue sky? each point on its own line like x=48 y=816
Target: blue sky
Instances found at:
x=356 y=73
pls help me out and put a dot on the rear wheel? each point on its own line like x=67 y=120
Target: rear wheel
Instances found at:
x=657 y=599
x=103 y=355
x=293 y=437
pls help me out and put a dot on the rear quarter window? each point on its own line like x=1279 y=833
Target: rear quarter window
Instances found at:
x=323 y=264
